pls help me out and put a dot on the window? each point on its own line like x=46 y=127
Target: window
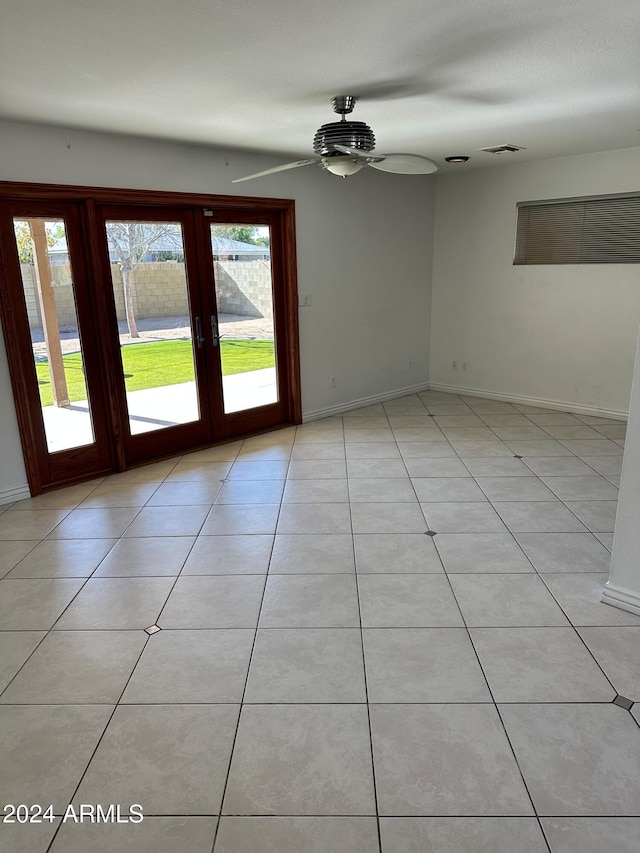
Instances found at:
x=591 y=230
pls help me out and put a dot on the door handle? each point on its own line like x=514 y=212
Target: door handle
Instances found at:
x=199 y=335
x=215 y=334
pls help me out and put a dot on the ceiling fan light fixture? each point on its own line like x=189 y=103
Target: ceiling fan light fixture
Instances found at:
x=342 y=166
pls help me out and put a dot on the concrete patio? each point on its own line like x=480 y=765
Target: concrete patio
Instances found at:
x=157 y=408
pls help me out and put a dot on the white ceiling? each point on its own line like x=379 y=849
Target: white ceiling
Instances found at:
x=558 y=77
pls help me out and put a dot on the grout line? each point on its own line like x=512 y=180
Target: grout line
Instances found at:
x=246 y=681
x=495 y=705
x=17 y=673
x=544 y=834
x=401 y=816
x=104 y=731
x=364 y=672
x=55 y=621
x=330 y=704
x=110 y=716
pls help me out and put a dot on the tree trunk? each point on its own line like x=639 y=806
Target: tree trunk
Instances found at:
x=127 y=284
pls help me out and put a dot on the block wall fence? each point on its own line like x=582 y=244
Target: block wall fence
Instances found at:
x=243 y=288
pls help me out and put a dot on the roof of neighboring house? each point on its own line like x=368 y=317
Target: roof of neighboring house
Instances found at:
x=173 y=243
x=227 y=246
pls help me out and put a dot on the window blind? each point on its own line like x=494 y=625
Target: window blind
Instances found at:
x=603 y=230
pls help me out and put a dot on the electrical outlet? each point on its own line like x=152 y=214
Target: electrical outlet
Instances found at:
x=332 y=382
x=464 y=365
x=454 y=364
x=409 y=365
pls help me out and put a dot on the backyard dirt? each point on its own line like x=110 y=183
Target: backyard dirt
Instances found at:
x=163 y=329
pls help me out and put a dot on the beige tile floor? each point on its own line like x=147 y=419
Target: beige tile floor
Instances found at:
x=380 y=632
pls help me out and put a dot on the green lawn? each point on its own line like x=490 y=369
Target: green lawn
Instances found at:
x=160 y=363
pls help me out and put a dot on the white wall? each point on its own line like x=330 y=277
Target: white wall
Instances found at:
x=563 y=334
x=623 y=587
x=364 y=252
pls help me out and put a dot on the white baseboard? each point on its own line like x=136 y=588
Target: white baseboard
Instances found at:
x=17 y=493
x=363 y=401
x=624 y=599
x=556 y=405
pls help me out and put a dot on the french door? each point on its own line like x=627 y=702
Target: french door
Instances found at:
x=54 y=356
x=140 y=330
x=154 y=296
x=250 y=357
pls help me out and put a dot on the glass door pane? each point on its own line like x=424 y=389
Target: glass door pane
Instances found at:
x=150 y=289
x=56 y=342
x=245 y=322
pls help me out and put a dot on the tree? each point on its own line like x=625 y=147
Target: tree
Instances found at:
x=54 y=231
x=263 y=240
x=255 y=235
x=241 y=233
x=130 y=243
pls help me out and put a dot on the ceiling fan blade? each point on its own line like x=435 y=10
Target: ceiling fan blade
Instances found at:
x=406 y=164
x=277 y=169
x=369 y=156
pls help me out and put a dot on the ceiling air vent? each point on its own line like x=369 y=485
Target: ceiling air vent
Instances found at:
x=500 y=149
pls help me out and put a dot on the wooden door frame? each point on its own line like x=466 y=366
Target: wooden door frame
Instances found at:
x=259 y=417
x=62 y=467
x=138 y=447
x=86 y=198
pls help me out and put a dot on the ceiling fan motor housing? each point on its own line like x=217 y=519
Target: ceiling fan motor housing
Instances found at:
x=352 y=134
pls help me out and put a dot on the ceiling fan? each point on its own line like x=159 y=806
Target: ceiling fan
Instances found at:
x=344 y=147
